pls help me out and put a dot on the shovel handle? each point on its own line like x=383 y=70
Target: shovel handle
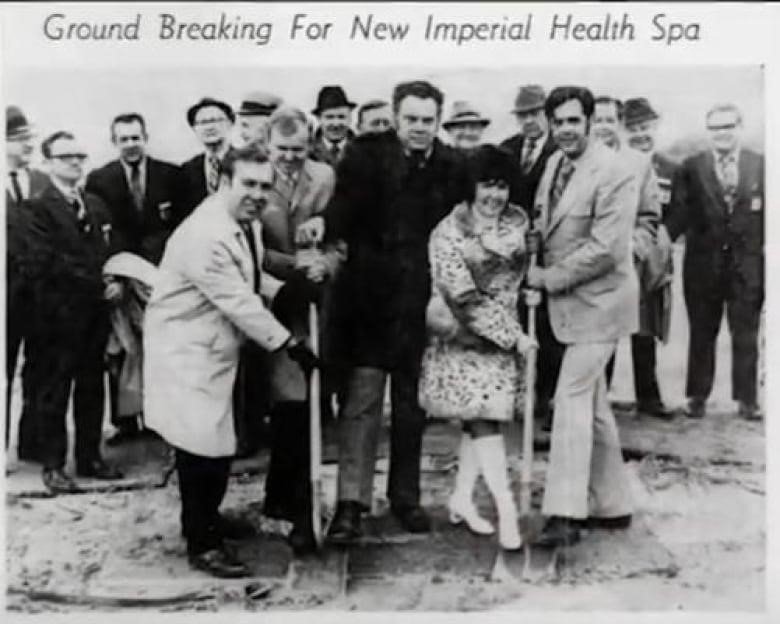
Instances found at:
x=315 y=434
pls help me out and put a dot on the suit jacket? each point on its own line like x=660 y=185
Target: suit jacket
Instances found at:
x=66 y=262
x=384 y=209
x=201 y=309
x=722 y=243
x=593 y=294
x=17 y=223
x=321 y=153
x=194 y=183
x=525 y=192
x=143 y=233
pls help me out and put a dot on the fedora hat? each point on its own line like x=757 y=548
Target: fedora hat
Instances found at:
x=259 y=103
x=207 y=101
x=16 y=124
x=529 y=98
x=464 y=113
x=331 y=96
x=637 y=110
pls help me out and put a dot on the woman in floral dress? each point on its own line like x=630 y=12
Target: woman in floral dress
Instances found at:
x=472 y=368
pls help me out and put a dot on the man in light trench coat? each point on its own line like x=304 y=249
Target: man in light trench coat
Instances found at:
x=210 y=297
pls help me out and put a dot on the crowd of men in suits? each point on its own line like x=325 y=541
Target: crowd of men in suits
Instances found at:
x=369 y=197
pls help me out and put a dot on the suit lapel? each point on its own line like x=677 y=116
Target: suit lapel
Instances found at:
x=575 y=189
x=744 y=181
x=710 y=178
x=542 y=200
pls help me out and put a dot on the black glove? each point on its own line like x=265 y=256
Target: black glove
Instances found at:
x=293 y=298
x=300 y=353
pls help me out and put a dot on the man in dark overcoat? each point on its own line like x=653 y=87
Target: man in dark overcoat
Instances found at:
x=719 y=206
x=392 y=188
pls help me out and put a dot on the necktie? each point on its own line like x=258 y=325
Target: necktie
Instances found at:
x=335 y=151
x=565 y=169
x=528 y=150
x=136 y=189
x=727 y=170
x=213 y=174
x=17 y=188
x=417 y=159
x=250 y=239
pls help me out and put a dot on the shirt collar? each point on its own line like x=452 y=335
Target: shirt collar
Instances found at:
x=70 y=193
x=426 y=156
x=731 y=156
x=220 y=153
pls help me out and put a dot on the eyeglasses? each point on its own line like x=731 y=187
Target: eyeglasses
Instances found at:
x=722 y=127
x=79 y=157
x=210 y=121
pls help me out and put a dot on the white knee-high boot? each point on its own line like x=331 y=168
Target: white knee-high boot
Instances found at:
x=491 y=454
x=461 y=505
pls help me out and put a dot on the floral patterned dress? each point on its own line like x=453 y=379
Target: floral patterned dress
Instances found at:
x=470 y=367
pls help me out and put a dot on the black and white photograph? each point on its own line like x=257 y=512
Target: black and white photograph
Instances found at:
x=381 y=336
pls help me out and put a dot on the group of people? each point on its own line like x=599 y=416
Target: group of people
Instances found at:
x=424 y=258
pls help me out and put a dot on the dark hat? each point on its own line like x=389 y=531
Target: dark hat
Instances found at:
x=259 y=103
x=16 y=124
x=331 y=97
x=529 y=98
x=637 y=110
x=462 y=113
x=207 y=101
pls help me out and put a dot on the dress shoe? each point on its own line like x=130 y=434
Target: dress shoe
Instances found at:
x=615 y=522
x=749 y=411
x=301 y=538
x=412 y=518
x=235 y=528
x=654 y=407
x=465 y=511
x=559 y=531
x=57 y=482
x=346 y=525
x=219 y=563
x=696 y=408
x=98 y=469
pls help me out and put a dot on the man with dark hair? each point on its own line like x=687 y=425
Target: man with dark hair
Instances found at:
x=210 y=297
x=22 y=182
x=586 y=203
x=719 y=206
x=531 y=147
x=374 y=116
x=212 y=121
x=143 y=195
x=391 y=190
x=70 y=239
x=334 y=113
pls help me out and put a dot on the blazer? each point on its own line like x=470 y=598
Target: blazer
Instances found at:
x=194 y=188
x=525 y=192
x=201 y=310
x=720 y=239
x=320 y=152
x=143 y=233
x=593 y=293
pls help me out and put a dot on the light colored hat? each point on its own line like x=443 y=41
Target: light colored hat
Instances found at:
x=462 y=113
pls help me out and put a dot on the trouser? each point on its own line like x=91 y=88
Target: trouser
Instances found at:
x=705 y=312
x=58 y=361
x=360 y=423
x=548 y=359
x=586 y=474
x=288 y=484
x=202 y=485
x=643 y=360
x=249 y=398
x=16 y=328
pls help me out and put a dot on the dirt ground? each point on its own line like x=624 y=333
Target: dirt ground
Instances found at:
x=697 y=542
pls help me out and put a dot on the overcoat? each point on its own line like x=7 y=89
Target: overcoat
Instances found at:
x=201 y=310
x=591 y=281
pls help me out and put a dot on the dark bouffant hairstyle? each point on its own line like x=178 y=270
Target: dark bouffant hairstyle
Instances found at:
x=488 y=162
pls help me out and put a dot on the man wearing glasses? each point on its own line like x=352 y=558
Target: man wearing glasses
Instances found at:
x=70 y=239
x=212 y=121
x=718 y=204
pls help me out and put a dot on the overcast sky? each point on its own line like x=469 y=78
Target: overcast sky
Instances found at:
x=84 y=101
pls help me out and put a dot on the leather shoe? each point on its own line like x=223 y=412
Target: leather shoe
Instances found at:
x=749 y=411
x=235 y=528
x=57 y=482
x=615 y=522
x=412 y=519
x=696 y=408
x=559 y=531
x=98 y=469
x=654 y=407
x=346 y=525
x=219 y=563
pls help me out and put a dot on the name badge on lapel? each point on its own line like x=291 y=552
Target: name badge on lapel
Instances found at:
x=164 y=209
x=756 y=204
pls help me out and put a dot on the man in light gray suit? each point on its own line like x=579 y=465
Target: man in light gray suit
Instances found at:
x=586 y=202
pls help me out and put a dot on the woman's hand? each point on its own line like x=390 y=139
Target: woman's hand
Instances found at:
x=525 y=343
